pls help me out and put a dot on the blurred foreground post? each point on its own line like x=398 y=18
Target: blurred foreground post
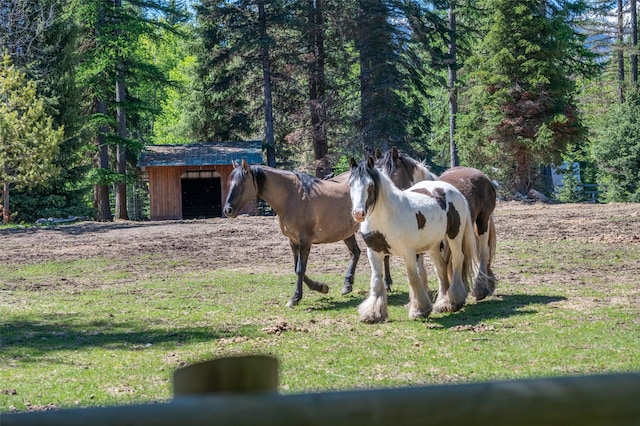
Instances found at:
x=242 y=374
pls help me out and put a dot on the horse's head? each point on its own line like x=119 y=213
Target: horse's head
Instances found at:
x=396 y=167
x=363 y=188
x=243 y=187
x=402 y=170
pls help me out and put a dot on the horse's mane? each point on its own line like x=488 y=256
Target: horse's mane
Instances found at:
x=387 y=163
x=239 y=174
x=429 y=175
x=308 y=182
x=389 y=166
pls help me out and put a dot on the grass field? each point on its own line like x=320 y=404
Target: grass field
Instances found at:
x=111 y=328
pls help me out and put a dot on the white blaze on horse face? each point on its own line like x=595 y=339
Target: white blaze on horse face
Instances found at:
x=359 y=191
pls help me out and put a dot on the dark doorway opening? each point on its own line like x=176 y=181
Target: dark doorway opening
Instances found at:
x=201 y=198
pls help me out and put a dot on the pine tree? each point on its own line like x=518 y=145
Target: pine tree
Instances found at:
x=237 y=74
x=40 y=38
x=29 y=142
x=617 y=151
x=521 y=111
x=110 y=33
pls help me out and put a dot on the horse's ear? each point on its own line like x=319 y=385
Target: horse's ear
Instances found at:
x=378 y=154
x=394 y=153
x=352 y=163
x=245 y=166
x=234 y=163
x=371 y=162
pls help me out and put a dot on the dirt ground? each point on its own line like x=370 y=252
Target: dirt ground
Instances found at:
x=256 y=243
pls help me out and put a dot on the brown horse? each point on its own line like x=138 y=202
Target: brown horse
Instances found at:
x=310 y=211
x=481 y=197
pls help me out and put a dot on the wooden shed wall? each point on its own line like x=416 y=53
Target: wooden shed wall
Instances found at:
x=165 y=197
x=165 y=190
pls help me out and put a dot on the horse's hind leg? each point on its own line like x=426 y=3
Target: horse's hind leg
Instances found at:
x=492 y=254
x=422 y=274
x=440 y=264
x=352 y=244
x=481 y=283
x=458 y=291
x=484 y=283
x=419 y=300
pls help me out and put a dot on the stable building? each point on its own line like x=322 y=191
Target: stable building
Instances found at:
x=190 y=181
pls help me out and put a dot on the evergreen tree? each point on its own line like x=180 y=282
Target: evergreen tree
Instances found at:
x=521 y=111
x=391 y=76
x=617 y=151
x=40 y=38
x=29 y=141
x=110 y=34
x=239 y=72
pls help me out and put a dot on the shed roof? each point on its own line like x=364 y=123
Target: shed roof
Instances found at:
x=200 y=154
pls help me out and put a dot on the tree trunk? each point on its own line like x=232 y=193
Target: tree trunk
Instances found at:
x=317 y=87
x=121 y=150
x=121 y=153
x=634 y=41
x=366 y=91
x=266 y=76
x=101 y=190
x=6 y=212
x=453 y=92
x=620 y=51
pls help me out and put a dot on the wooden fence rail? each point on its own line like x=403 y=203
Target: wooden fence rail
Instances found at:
x=586 y=400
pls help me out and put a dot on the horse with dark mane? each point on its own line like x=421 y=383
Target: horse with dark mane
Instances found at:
x=310 y=211
x=480 y=193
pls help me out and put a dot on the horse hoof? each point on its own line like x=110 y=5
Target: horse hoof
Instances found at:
x=440 y=307
x=481 y=294
x=346 y=289
x=372 y=319
x=292 y=303
x=324 y=289
x=419 y=314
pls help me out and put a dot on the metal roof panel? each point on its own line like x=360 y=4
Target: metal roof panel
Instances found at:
x=201 y=154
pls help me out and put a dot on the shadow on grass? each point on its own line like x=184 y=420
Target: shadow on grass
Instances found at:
x=28 y=339
x=352 y=300
x=503 y=306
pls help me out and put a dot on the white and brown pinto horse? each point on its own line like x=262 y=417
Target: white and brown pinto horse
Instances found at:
x=310 y=211
x=481 y=197
x=407 y=223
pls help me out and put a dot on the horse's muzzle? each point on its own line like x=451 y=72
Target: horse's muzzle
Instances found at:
x=229 y=211
x=358 y=215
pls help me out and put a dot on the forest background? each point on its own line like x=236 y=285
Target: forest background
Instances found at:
x=510 y=87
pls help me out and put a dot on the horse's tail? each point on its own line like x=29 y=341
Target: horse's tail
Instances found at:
x=470 y=265
x=492 y=252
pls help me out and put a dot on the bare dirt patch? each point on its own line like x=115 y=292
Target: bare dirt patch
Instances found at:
x=256 y=243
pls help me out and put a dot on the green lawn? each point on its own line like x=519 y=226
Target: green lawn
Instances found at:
x=94 y=332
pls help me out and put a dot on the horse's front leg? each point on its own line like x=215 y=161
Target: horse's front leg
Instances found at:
x=374 y=308
x=352 y=244
x=300 y=256
x=419 y=300
x=387 y=273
